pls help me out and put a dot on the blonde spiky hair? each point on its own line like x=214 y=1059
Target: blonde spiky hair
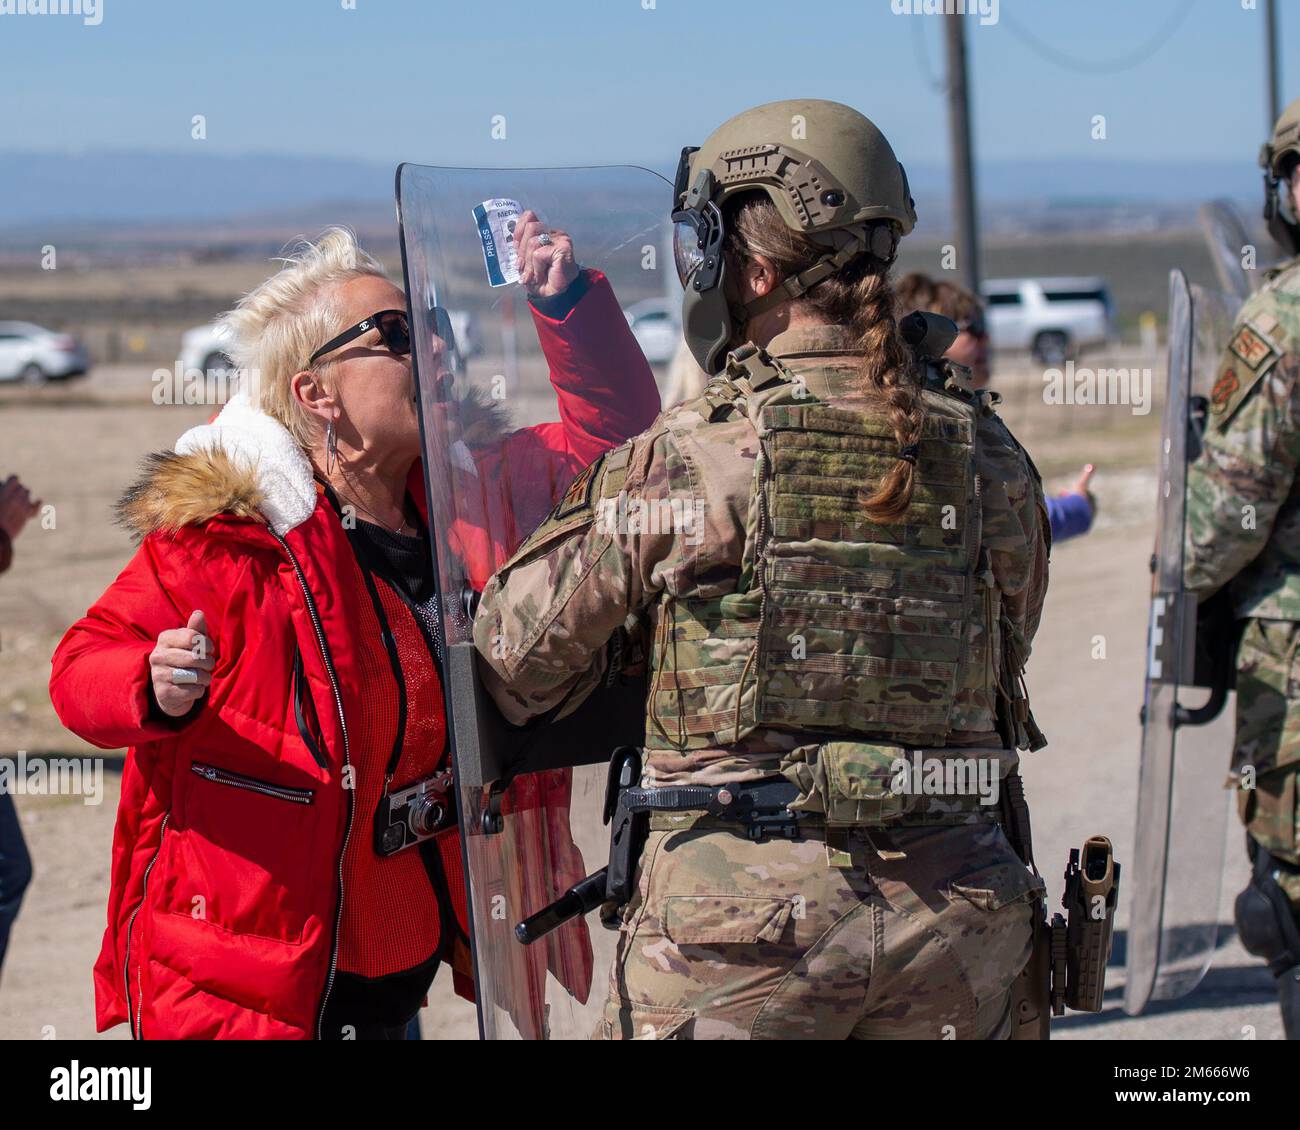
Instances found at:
x=276 y=328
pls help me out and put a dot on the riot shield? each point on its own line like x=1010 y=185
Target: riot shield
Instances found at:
x=1187 y=715
x=530 y=799
x=1226 y=238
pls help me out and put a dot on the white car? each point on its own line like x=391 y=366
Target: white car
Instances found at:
x=204 y=348
x=655 y=325
x=32 y=353
x=1052 y=318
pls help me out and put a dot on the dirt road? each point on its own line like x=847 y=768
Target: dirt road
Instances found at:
x=1086 y=694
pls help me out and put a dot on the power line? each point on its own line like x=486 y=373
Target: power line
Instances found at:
x=935 y=81
x=1136 y=57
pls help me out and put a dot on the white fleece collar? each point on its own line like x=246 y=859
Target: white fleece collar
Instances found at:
x=253 y=439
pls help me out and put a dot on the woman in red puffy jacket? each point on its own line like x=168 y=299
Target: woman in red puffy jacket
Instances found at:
x=269 y=656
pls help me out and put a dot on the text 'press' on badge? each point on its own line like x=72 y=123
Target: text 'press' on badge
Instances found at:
x=496 y=221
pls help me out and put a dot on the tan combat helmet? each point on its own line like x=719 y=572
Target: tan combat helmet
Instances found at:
x=1276 y=156
x=1285 y=141
x=831 y=174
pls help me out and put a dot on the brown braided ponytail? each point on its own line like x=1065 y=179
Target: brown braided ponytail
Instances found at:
x=860 y=296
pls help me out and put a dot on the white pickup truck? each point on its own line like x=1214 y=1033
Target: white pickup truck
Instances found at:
x=1053 y=318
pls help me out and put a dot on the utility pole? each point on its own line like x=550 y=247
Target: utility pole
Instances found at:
x=963 y=173
x=1274 y=78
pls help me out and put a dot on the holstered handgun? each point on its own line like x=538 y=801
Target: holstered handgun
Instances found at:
x=1067 y=961
x=1091 y=895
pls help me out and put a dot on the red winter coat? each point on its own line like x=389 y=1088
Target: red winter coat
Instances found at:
x=245 y=535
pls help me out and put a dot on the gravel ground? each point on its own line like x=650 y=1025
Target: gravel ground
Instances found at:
x=77 y=445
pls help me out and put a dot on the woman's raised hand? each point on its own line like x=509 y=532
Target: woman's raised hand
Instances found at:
x=546 y=267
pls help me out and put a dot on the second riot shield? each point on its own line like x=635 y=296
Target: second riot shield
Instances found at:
x=1231 y=250
x=1182 y=809
x=516 y=395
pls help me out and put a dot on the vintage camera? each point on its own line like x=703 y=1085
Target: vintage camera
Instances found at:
x=414 y=814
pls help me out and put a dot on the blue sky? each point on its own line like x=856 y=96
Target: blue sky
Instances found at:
x=610 y=80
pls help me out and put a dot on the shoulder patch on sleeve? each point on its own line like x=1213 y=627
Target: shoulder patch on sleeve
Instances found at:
x=1253 y=349
x=1225 y=388
x=577 y=508
x=578 y=497
x=1251 y=353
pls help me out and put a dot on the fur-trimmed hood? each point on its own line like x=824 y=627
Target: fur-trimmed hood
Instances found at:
x=247 y=465
x=244 y=463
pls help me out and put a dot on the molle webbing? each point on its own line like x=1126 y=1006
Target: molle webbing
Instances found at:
x=842 y=624
x=863 y=624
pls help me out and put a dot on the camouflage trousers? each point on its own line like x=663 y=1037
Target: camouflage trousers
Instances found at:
x=732 y=939
x=1268 y=739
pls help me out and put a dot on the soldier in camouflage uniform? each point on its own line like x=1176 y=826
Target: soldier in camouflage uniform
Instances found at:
x=835 y=560
x=1243 y=522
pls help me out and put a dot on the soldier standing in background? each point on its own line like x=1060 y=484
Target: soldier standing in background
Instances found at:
x=838 y=566
x=1243 y=523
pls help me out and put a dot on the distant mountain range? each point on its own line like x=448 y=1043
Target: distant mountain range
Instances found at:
x=95 y=189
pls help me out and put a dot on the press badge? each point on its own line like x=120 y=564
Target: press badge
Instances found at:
x=496 y=221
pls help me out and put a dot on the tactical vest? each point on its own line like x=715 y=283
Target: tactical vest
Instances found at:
x=838 y=625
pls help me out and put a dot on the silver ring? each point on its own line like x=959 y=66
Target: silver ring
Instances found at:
x=545 y=239
x=182 y=676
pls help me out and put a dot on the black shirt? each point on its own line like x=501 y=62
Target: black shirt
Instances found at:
x=405 y=561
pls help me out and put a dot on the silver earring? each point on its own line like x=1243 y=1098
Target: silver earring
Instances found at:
x=331 y=448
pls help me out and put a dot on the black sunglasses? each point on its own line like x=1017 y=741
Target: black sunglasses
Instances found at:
x=394 y=332
x=975 y=327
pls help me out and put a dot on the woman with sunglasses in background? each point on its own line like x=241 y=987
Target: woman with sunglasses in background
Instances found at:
x=286 y=862
x=1071 y=512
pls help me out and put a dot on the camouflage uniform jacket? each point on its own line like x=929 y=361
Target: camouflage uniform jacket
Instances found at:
x=546 y=619
x=1243 y=496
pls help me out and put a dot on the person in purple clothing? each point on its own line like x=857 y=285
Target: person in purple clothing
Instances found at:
x=1071 y=512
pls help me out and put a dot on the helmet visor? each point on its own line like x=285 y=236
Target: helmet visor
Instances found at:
x=697 y=245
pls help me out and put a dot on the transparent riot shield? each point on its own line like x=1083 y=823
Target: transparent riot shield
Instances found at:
x=1228 y=244
x=491 y=424
x=1187 y=714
